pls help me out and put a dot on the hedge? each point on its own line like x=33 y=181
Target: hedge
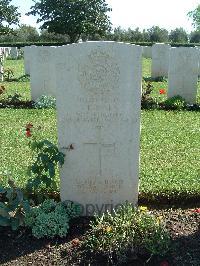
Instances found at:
x=22 y=44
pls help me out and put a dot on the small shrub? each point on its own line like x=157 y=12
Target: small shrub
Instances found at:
x=16 y=98
x=128 y=230
x=51 y=219
x=156 y=79
x=174 y=103
x=45 y=102
x=147 y=102
x=13 y=206
x=193 y=107
x=8 y=74
x=42 y=172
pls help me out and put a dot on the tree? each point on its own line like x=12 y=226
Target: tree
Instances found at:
x=72 y=17
x=118 y=35
x=26 y=33
x=157 y=34
x=195 y=37
x=134 y=35
x=179 y=35
x=46 y=36
x=8 y=16
x=195 y=16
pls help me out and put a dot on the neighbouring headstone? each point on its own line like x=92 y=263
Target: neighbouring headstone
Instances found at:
x=42 y=78
x=198 y=49
x=1 y=56
x=183 y=73
x=160 y=60
x=147 y=51
x=7 y=51
x=14 y=52
x=98 y=108
x=1 y=73
x=27 y=58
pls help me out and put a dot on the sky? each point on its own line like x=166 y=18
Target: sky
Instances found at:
x=168 y=14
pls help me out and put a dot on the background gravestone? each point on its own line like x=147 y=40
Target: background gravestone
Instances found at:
x=27 y=58
x=98 y=107
x=183 y=73
x=14 y=52
x=2 y=55
x=1 y=73
x=198 y=49
x=160 y=60
x=7 y=51
x=147 y=51
x=42 y=78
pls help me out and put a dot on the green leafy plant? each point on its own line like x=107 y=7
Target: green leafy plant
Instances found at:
x=147 y=102
x=127 y=230
x=45 y=102
x=42 y=171
x=8 y=74
x=175 y=103
x=16 y=98
x=12 y=206
x=51 y=219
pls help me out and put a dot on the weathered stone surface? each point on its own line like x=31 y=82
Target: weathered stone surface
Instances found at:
x=7 y=51
x=98 y=110
x=27 y=58
x=198 y=49
x=147 y=51
x=1 y=73
x=42 y=73
x=14 y=53
x=183 y=73
x=160 y=60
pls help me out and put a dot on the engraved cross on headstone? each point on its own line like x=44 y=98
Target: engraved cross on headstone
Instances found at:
x=100 y=144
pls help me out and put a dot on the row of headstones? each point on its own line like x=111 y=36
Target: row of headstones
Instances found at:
x=180 y=65
x=97 y=86
x=12 y=52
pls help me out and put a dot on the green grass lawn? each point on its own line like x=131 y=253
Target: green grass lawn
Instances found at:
x=22 y=87
x=170 y=142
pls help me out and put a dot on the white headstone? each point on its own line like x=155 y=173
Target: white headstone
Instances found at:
x=14 y=52
x=98 y=107
x=27 y=58
x=1 y=56
x=42 y=78
x=1 y=73
x=160 y=60
x=7 y=51
x=183 y=73
x=198 y=49
x=147 y=51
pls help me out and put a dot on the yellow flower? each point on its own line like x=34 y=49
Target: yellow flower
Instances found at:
x=159 y=219
x=143 y=208
x=108 y=229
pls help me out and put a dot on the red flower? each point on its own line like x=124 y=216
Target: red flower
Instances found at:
x=162 y=91
x=196 y=210
x=28 y=126
x=28 y=133
x=164 y=263
x=75 y=242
